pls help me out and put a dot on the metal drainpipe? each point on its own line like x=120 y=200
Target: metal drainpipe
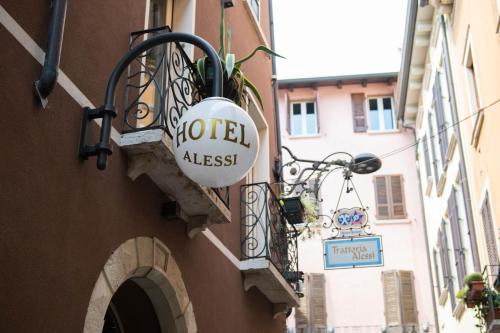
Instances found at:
x=277 y=162
x=48 y=78
x=427 y=252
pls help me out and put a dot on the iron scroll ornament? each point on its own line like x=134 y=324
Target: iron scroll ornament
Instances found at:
x=106 y=112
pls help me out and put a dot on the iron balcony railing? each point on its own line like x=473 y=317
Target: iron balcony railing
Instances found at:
x=161 y=85
x=265 y=232
x=489 y=305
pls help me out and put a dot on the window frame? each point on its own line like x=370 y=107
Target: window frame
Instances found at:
x=380 y=111
x=303 y=116
x=258 y=14
x=389 y=195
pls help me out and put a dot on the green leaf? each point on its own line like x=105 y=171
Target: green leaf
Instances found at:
x=253 y=88
x=258 y=48
x=200 y=66
x=230 y=58
x=222 y=35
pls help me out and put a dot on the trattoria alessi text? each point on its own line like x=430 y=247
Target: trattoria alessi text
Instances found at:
x=213 y=129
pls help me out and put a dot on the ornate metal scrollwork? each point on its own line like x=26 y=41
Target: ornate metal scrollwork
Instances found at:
x=162 y=83
x=265 y=232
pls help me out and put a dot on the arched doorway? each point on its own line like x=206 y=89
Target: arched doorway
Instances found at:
x=132 y=311
x=140 y=289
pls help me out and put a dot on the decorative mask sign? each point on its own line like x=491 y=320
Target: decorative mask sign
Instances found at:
x=215 y=143
x=354 y=218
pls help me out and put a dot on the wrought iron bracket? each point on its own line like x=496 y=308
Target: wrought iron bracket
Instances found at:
x=89 y=115
x=103 y=148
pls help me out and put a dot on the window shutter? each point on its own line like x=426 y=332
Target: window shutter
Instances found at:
x=468 y=213
x=407 y=296
x=302 y=312
x=436 y=271
x=397 y=197
x=317 y=300
x=440 y=118
x=456 y=237
x=287 y=114
x=433 y=150
x=358 y=112
x=381 y=197
x=445 y=263
x=392 y=308
x=316 y=105
x=489 y=232
x=428 y=171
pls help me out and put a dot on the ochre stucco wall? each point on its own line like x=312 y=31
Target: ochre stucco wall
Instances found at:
x=478 y=24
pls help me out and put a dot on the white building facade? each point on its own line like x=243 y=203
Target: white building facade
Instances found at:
x=356 y=114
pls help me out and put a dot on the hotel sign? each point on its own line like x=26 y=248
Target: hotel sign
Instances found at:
x=353 y=252
x=215 y=143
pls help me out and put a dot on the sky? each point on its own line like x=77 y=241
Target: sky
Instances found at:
x=338 y=37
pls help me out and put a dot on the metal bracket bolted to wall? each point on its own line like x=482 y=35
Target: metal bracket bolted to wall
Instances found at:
x=89 y=115
x=103 y=148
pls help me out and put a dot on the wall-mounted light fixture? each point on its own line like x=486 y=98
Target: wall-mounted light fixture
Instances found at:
x=106 y=112
x=309 y=175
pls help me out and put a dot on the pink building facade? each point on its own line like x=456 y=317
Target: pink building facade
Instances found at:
x=356 y=114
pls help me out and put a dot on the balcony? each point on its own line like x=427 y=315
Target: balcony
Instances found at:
x=160 y=86
x=269 y=255
x=490 y=303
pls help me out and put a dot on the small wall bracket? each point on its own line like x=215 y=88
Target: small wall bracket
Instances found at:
x=89 y=115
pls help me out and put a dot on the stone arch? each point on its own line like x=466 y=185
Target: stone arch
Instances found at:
x=146 y=258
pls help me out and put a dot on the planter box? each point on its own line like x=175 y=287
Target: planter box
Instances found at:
x=475 y=290
x=294 y=210
x=470 y=303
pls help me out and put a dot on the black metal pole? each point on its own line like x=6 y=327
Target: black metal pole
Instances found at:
x=48 y=77
x=103 y=148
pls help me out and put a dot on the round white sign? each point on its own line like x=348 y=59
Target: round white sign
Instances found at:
x=215 y=142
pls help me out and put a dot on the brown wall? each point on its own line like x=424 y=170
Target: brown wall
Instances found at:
x=62 y=218
x=258 y=69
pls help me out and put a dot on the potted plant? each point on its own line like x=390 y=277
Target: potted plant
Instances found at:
x=462 y=295
x=493 y=311
x=234 y=81
x=475 y=284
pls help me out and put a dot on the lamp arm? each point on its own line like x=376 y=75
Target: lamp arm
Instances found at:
x=108 y=111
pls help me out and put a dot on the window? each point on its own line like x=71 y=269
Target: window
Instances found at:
x=444 y=252
x=400 y=306
x=457 y=230
x=437 y=276
x=358 y=112
x=381 y=114
x=155 y=66
x=255 y=5
x=432 y=142
x=474 y=103
x=310 y=316
x=427 y=159
x=304 y=119
x=389 y=197
x=489 y=232
x=440 y=118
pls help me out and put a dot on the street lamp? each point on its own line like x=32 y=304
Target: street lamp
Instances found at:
x=107 y=112
x=309 y=176
x=306 y=169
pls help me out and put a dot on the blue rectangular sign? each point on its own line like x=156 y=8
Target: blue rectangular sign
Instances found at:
x=353 y=252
